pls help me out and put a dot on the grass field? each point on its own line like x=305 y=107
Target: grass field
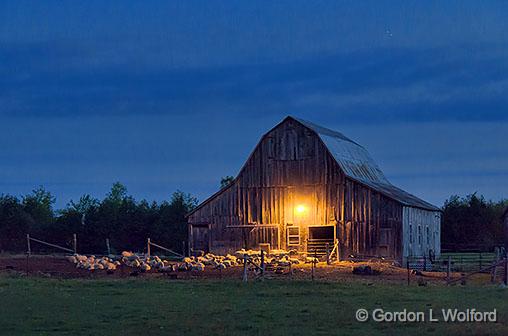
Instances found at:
x=34 y=306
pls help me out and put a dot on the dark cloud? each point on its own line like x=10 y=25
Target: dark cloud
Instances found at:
x=175 y=95
x=460 y=83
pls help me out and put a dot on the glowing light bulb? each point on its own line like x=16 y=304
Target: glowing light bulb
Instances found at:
x=300 y=209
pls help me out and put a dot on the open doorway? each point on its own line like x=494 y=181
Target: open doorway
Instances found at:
x=200 y=238
x=319 y=237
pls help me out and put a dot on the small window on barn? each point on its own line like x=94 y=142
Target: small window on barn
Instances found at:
x=288 y=145
x=306 y=146
x=271 y=147
x=293 y=235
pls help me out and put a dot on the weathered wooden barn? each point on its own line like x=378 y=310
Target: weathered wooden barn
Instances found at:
x=304 y=185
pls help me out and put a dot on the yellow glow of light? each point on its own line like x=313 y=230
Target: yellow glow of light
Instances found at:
x=300 y=209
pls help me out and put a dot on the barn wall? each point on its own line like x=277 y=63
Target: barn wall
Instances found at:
x=291 y=166
x=421 y=232
x=370 y=224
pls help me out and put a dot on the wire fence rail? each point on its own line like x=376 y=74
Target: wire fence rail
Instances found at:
x=71 y=247
x=150 y=243
x=30 y=239
x=465 y=263
x=458 y=262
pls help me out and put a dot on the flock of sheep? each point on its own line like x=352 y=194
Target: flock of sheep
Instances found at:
x=129 y=259
x=92 y=263
x=142 y=263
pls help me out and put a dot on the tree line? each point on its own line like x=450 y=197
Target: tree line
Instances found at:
x=472 y=223
x=118 y=217
x=469 y=222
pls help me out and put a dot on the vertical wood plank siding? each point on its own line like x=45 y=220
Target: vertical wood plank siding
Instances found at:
x=417 y=240
x=290 y=166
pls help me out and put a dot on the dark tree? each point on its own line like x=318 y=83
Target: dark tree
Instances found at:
x=471 y=222
x=225 y=181
x=14 y=224
x=127 y=223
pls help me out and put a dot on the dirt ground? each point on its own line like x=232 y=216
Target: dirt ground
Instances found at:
x=59 y=267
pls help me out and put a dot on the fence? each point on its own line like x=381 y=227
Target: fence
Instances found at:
x=467 y=263
x=458 y=261
x=42 y=242
x=150 y=243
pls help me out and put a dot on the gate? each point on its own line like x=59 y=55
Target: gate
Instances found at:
x=319 y=237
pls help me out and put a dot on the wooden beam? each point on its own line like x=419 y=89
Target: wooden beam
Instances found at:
x=250 y=226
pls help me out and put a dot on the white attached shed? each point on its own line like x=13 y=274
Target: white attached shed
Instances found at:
x=421 y=232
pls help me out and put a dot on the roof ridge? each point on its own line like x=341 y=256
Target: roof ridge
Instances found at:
x=324 y=130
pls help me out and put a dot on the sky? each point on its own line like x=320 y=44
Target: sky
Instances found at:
x=175 y=94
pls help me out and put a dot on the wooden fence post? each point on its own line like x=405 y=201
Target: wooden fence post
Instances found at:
x=75 y=243
x=408 y=272
x=29 y=250
x=27 y=267
x=328 y=253
x=148 y=247
x=262 y=263
x=108 y=246
x=313 y=264
x=505 y=278
x=245 y=268
x=480 y=261
x=338 y=247
x=448 y=269
x=493 y=274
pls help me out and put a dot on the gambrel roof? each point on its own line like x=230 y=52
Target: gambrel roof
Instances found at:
x=358 y=165
x=355 y=162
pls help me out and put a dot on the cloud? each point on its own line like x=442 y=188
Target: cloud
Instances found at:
x=465 y=83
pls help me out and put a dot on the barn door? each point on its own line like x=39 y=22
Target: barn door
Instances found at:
x=263 y=235
x=385 y=242
x=319 y=238
x=201 y=238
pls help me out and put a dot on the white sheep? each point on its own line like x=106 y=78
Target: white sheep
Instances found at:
x=81 y=258
x=72 y=259
x=145 y=267
x=111 y=267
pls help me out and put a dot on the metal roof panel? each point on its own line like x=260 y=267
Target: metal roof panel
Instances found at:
x=358 y=165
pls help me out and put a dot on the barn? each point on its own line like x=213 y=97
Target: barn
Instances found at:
x=304 y=186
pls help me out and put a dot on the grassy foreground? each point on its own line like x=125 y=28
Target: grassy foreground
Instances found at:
x=158 y=307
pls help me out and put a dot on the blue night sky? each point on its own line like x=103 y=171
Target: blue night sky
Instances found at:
x=174 y=95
